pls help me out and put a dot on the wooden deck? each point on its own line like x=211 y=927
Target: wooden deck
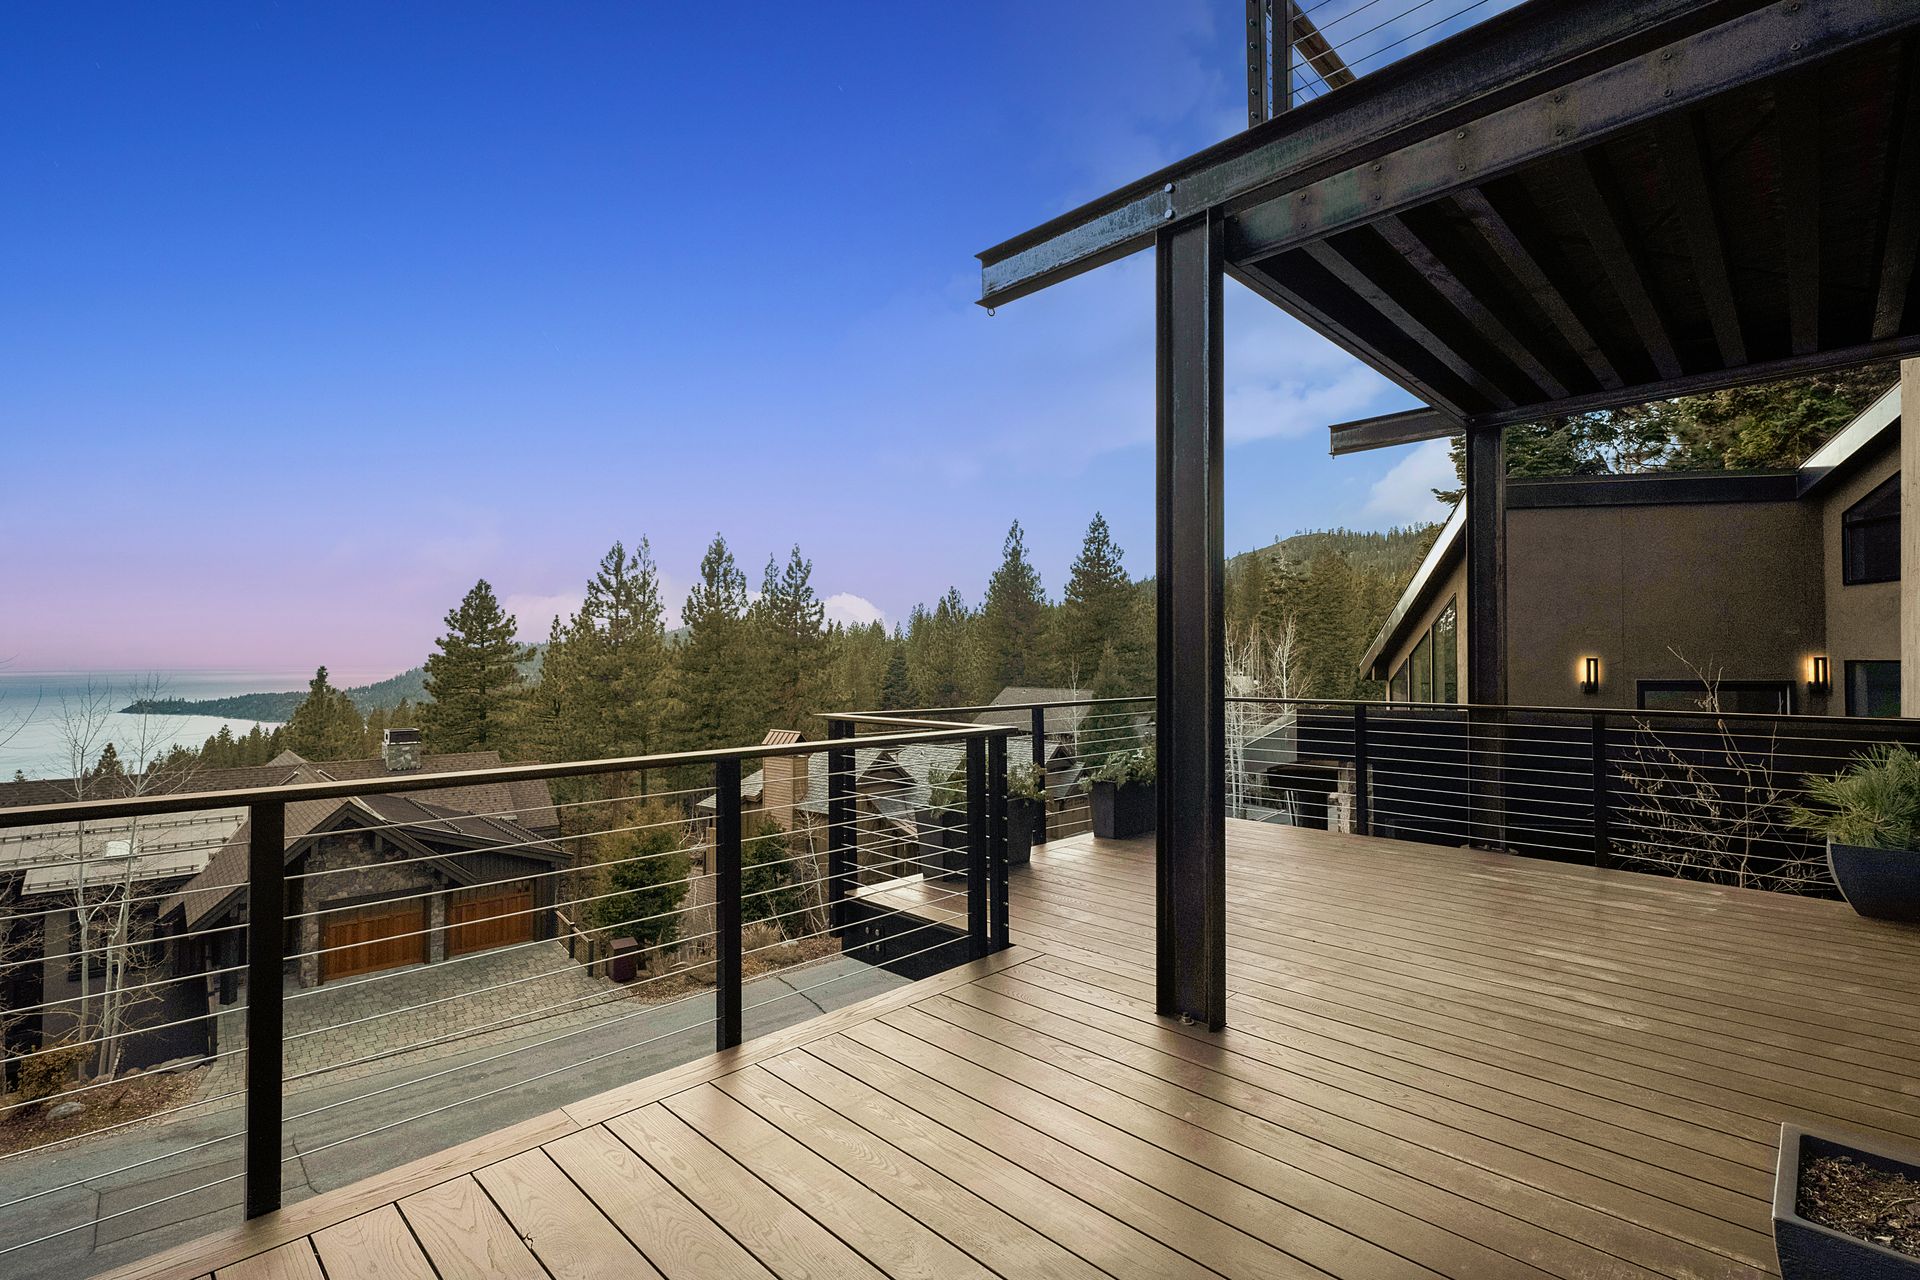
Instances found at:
x=1439 y=1063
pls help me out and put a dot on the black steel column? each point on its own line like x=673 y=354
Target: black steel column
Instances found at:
x=979 y=835
x=1190 y=569
x=999 y=928
x=842 y=838
x=1602 y=800
x=1486 y=632
x=266 y=963
x=1362 y=809
x=726 y=903
x=1039 y=732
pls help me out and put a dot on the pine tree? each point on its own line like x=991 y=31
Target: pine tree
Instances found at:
x=640 y=866
x=326 y=725
x=1011 y=621
x=1102 y=625
x=714 y=706
x=108 y=765
x=896 y=690
x=940 y=652
x=473 y=676
x=617 y=646
x=789 y=645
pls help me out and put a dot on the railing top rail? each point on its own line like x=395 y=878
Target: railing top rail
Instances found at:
x=1857 y=722
x=188 y=801
x=991 y=706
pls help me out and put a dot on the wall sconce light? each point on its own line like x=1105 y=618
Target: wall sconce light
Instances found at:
x=1821 y=682
x=1589 y=675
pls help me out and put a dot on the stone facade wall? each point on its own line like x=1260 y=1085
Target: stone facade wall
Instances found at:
x=370 y=869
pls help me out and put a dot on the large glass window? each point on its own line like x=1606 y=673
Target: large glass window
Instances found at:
x=1446 y=655
x=1767 y=697
x=1422 y=673
x=1873 y=688
x=1397 y=691
x=1870 y=536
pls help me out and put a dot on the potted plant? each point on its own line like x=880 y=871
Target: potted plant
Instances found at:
x=1124 y=800
x=1846 y=1208
x=1026 y=814
x=943 y=826
x=1870 y=816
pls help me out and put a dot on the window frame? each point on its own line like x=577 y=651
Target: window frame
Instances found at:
x=1847 y=670
x=1853 y=527
x=1784 y=688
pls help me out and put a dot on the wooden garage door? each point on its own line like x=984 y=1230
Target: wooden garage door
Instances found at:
x=380 y=935
x=495 y=915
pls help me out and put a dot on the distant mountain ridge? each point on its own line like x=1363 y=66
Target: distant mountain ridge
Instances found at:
x=409 y=686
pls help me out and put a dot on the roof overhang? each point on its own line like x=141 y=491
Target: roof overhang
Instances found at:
x=1575 y=205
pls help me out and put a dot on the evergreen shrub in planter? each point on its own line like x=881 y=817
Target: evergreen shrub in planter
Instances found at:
x=1124 y=800
x=1811 y=1250
x=1026 y=814
x=1870 y=815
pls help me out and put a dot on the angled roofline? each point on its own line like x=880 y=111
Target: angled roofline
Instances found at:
x=1430 y=572
x=1853 y=440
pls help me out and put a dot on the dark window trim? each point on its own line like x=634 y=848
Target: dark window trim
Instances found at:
x=1847 y=670
x=1853 y=526
x=1785 y=688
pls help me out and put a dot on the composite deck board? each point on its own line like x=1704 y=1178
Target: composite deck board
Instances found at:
x=1438 y=1063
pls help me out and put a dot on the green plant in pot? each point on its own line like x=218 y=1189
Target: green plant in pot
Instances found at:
x=1870 y=816
x=1123 y=796
x=943 y=826
x=1026 y=813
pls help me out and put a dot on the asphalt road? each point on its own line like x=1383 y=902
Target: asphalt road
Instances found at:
x=106 y=1218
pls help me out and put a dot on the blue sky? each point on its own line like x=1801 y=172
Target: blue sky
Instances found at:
x=315 y=313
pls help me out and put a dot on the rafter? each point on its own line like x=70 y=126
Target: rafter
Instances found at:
x=1584 y=181
x=1685 y=171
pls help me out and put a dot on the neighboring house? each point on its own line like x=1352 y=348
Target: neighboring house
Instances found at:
x=1768 y=580
x=373 y=883
x=381 y=881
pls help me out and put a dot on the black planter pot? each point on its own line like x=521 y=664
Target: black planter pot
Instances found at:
x=1883 y=884
x=943 y=844
x=1024 y=819
x=1809 y=1251
x=1124 y=810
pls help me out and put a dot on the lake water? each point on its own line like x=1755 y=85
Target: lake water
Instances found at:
x=38 y=708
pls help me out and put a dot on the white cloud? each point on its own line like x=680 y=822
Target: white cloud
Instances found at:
x=851 y=610
x=1405 y=494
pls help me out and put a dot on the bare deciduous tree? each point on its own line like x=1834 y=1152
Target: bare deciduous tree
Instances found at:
x=1712 y=803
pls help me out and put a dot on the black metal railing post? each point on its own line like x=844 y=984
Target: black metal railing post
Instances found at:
x=977 y=851
x=1039 y=732
x=266 y=962
x=1602 y=798
x=1362 y=808
x=999 y=922
x=726 y=903
x=842 y=839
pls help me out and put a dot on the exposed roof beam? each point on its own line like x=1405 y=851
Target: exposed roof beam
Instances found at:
x=1509 y=58
x=1573 y=116
x=1527 y=270
x=1797 y=129
x=1406 y=427
x=1686 y=174
x=1902 y=235
x=1599 y=215
x=1382 y=300
x=1424 y=260
x=1334 y=331
x=1712 y=380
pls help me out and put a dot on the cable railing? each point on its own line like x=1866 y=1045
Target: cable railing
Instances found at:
x=1701 y=794
x=333 y=974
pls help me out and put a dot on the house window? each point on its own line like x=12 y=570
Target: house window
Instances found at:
x=1873 y=688
x=1870 y=536
x=1446 y=655
x=1754 y=697
x=1397 y=691
x=1422 y=673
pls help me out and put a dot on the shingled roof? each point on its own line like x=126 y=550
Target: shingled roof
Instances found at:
x=518 y=813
